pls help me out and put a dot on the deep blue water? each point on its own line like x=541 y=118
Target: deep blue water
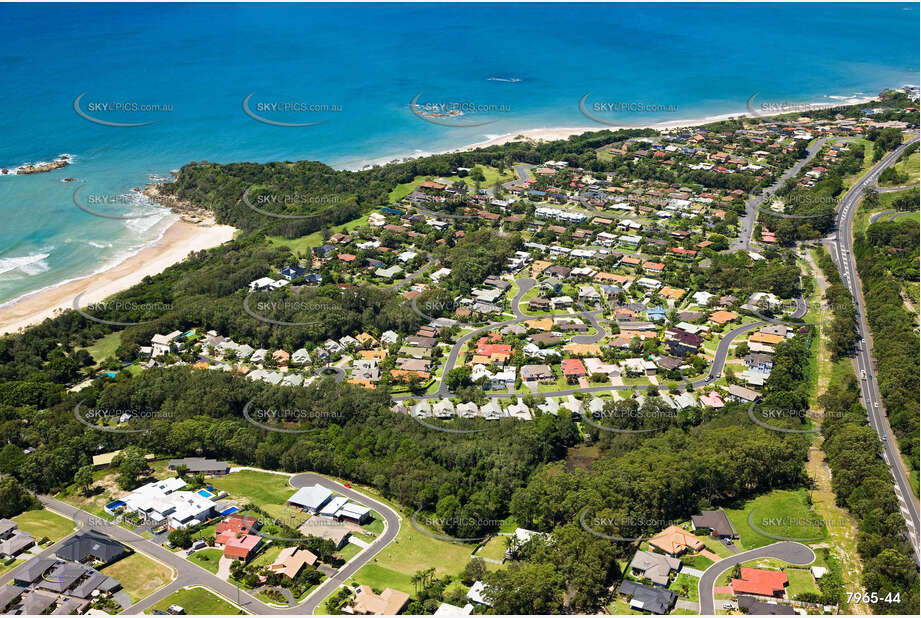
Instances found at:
x=370 y=61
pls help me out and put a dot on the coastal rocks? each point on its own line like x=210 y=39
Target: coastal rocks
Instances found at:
x=187 y=211
x=39 y=168
x=62 y=161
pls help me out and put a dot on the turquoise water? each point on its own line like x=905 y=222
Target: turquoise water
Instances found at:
x=529 y=64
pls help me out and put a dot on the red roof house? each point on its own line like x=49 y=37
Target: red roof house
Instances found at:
x=573 y=368
x=761 y=582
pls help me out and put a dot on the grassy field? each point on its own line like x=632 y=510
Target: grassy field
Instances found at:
x=105 y=347
x=139 y=575
x=801 y=580
x=43 y=523
x=198 y=601
x=303 y=244
x=780 y=512
x=207 y=558
x=491 y=174
x=493 y=549
x=909 y=166
x=379 y=578
x=260 y=488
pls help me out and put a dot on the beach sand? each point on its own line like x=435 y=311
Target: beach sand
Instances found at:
x=180 y=239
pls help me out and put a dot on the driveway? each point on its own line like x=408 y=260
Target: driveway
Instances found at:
x=788 y=551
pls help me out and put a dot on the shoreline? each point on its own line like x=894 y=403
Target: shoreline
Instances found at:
x=174 y=245
x=549 y=134
x=185 y=235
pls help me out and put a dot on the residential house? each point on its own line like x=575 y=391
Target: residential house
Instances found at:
x=716 y=522
x=742 y=394
x=389 y=602
x=291 y=560
x=646 y=598
x=657 y=568
x=760 y=582
x=311 y=499
x=675 y=541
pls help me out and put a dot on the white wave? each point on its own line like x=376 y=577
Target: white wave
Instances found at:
x=26 y=264
x=99 y=245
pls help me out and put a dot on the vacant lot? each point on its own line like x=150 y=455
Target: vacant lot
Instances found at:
x=779 y=513
x=43 y=523
x=198 y=601
x=139 y=575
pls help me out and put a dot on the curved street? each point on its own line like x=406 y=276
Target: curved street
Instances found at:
x=788 y=551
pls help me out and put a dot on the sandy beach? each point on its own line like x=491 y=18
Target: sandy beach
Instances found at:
x=558 y=133
x=180 y=239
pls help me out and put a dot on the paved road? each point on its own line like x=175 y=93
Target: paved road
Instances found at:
x=747 y=221
x=391 y=519
x=875 y=217
x=788 y=551
x=894 y=189
x=841 y=246
x=716 y=369
x=456 y=348
x=522 y=171
x=524 y=286
x=191 y=574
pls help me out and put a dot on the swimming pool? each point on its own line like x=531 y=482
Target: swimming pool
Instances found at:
x=204 y=493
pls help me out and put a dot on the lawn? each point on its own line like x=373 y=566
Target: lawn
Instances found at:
x=781 y=513
x=268 y=555
x=620 y=607
x=260 y=488
x=105 y=346
x=139 y=575
x=207 y=558
x=5 y=568
x=349 y=551
x=379 y=578
x=801 y=580
x=198 y=601
x=700 y=563
x=43 y=523
x=493 y=549
x=303 y=244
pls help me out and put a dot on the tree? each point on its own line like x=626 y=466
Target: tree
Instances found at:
x=84 y=479
x=130 y=464
x=180 y=537
x=14 y=499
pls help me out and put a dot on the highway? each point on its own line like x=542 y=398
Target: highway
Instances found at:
x=842 y=251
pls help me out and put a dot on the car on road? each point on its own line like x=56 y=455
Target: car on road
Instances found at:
x=883 y=438
x=863 y=374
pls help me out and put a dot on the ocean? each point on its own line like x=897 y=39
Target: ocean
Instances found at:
x=347 y=75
